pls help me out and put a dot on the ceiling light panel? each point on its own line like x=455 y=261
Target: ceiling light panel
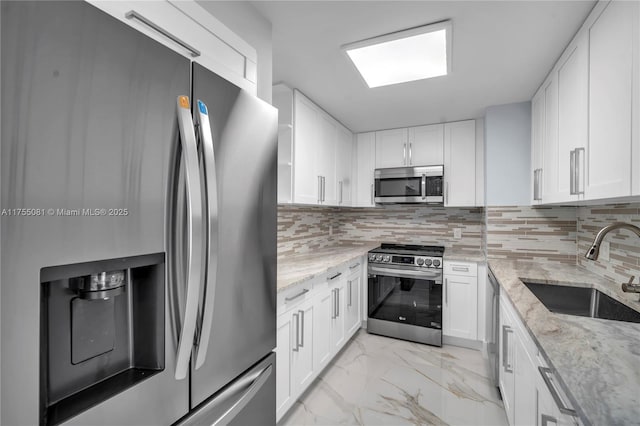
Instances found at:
x=410 y=55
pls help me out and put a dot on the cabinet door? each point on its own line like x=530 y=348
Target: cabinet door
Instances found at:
x=426 y=145
x=460 y=310
x=550 y=141
x=537 y=140
x=391 y=148
x=306 y=130
x=352 y=301
x=322 y=329
x=365 y=166
x=326 y=158
x=302 y=350
x=344 y=149
x=284 y=389
x=506 y=379
x=460 y=163
x=573 y=89
x=610 y=96
x=337 y=316
x=525 y=386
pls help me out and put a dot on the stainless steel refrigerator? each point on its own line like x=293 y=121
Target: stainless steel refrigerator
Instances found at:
x=138 y=239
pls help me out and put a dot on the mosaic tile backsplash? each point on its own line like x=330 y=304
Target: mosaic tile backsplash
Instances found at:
x=537 y=233
x=303 y=229
x=624 y=253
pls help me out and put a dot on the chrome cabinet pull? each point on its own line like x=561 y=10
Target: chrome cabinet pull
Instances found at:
x=572 y=172
x=579 y=171
x=505 y=349
x=333 y=304
x=323 y=188
x=446 y=291
x=297 y=332
x=410 y=153
x=289 y=299
x=404 y=153
x=355 y=265
x=372 y=202
x=555 y=393
x=132 y=14
x=301 y=328
x=335 y=276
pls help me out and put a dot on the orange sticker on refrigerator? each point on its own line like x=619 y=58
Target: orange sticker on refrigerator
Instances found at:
x=184 y=101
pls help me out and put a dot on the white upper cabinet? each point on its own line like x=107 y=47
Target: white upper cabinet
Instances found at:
x=610 y=95
x=307 y=182
x=426 y=145
x=187 y=28
x=365 y=165
x=586 y=115
x=326 y=158
x=391 y=148
x=344 y=169
x=460 y=164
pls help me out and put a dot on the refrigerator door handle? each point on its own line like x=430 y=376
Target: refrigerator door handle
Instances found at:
x=194 y=232
x=211 y=223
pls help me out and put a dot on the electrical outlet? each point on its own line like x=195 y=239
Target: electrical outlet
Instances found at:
x=330 y=230
x=457 y=233
x=605 y=251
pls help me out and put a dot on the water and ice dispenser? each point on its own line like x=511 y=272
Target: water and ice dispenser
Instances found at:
x=102 y=331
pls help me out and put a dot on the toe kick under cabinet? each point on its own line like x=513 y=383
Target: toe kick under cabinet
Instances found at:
x=316 y=319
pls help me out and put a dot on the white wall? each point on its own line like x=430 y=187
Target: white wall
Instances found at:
x=245 y=20
x=508 y=154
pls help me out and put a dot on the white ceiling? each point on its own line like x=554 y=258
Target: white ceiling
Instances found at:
x=502 y=50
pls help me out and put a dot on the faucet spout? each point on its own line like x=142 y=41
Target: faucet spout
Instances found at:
x=594 y=251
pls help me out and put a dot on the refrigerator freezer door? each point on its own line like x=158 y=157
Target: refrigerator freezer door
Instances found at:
x=244 y=131
x=88 y=110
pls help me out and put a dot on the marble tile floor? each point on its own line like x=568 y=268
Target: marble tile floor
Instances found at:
x=377 y=380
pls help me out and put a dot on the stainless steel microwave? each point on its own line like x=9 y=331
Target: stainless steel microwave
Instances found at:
x=412 y=185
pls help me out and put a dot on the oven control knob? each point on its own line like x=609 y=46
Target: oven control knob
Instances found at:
x=419 y=261
x=436 y=262
x=387 y=258
x=379 y=258
x=372 y=257
x=427 y=262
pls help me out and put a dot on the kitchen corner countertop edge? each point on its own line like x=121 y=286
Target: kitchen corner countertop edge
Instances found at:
x=595 y=360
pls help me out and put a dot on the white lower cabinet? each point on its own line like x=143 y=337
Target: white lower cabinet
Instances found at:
x=315 y=320
x=530 y=392
x=460 y=300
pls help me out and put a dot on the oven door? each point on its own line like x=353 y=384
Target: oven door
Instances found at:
x=405 y=296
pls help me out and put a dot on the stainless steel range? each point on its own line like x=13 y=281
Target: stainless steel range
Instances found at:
x=405 y=292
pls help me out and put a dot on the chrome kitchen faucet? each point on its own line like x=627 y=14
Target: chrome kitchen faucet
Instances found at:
x=594 y=251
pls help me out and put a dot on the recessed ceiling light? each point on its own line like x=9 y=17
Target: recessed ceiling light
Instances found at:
x=409 y=55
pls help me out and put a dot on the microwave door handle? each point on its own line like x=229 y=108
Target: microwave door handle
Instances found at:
x=211 y=263
x=194 y=233
x=424 y=187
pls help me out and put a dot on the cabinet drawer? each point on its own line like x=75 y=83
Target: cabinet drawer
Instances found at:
x=292 y=297
x=461 y=268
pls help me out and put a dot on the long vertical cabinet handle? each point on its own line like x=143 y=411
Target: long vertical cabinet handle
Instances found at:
x=211 y=208
x=536 y=185
x=301 y=330
x=194 y=234
x=410 y=153
x=579 y=178
x=333 y=304
x=505 y=349
x=295 y=349
x=572 y=172
x=322 y=181
x=132 y=14
x=404 y=153
x=446 y=291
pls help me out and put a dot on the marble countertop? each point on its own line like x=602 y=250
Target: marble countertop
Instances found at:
x=298 y=268
x=596 y=361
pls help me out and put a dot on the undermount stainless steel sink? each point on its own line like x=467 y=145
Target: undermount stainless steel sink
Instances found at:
x=582 y=301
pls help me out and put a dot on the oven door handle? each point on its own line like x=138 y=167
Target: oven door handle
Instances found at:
x=406 y=273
